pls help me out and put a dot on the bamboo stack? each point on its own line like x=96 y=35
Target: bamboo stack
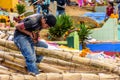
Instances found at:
x=58 y=76
x=56 y=65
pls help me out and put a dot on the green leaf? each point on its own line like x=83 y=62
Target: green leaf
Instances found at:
x=20 y=8
x=64 y=23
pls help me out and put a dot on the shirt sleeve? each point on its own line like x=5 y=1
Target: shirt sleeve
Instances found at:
x=28 y=24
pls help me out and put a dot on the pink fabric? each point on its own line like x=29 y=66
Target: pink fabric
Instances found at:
x=111 y=53
x=108 y=53
x=80 y=3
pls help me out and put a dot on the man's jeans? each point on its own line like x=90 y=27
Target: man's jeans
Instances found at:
x=26 y=46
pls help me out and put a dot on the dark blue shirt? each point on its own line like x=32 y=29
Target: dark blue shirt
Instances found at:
x=61 y=3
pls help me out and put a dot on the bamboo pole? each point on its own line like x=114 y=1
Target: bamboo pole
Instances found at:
x=17 y=54
x=2 y=35
x=64 y=68
x=59 y=62
x=4 y=77
x=3 y=68
x=14 y=66
x=47 y=68
x=7 y=29
x=5 y=37
x=8 y=50
x=57 y=76
x=11 y=58
x=6 y=69
x=5 y=72
x=1 y=59
x=8 y=44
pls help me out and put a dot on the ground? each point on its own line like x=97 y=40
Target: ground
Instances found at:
x=75 y=10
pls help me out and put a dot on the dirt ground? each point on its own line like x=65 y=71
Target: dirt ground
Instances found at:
x=75 y=10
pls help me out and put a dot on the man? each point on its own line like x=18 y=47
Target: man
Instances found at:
x=26 y=37
x=61 y=4
x=118 y=10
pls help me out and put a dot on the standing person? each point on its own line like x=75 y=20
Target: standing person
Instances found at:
x=109 y=10
x=61 y=4
x=80 y=3
x=26 y=37
x=52 y=0
x=34 y=2
x=119 y=10
x=45 y=6
x=39 y=2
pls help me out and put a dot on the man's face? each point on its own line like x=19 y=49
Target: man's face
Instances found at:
x=44 y=24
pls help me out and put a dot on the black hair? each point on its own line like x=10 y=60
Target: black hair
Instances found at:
x=111 y=3
x=50 y=19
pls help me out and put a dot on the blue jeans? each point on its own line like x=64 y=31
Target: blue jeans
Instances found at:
x=26 y=46
x=38 y=8
x=60 y=12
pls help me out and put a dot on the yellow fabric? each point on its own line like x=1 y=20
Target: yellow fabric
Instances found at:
x=114 y=16
x=65 y=47
x=8 y=4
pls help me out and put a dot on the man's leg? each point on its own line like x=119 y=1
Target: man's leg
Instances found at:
x=40 y=44
x=25 y=45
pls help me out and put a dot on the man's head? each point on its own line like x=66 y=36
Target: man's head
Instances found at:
x=48 y=21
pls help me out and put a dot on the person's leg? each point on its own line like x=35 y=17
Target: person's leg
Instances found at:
x=38 y=8
x=26 y=46
x=47 y=8
x=57 y=13
x=40 y=44
x=119 y=16
x=61 y=12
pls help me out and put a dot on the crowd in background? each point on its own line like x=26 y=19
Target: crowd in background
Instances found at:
x=43 y=6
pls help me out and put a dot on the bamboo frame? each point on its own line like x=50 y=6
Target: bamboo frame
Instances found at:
x=67 y=57
x=57 y=76
x=45 y=67
x=7 y=29
x=14 y=66
x=8 y=50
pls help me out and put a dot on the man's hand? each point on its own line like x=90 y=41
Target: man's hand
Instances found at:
x=34 y=36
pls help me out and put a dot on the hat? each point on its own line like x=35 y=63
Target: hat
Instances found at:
x=50 y=20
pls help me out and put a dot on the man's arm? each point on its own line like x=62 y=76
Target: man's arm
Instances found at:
x=21 y=28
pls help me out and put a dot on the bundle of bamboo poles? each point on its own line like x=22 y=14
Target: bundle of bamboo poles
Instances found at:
x=58 y=76
x=56 y=65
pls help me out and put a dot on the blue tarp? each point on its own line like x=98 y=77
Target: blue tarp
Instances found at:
x=97 y=16
x=108 y=47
